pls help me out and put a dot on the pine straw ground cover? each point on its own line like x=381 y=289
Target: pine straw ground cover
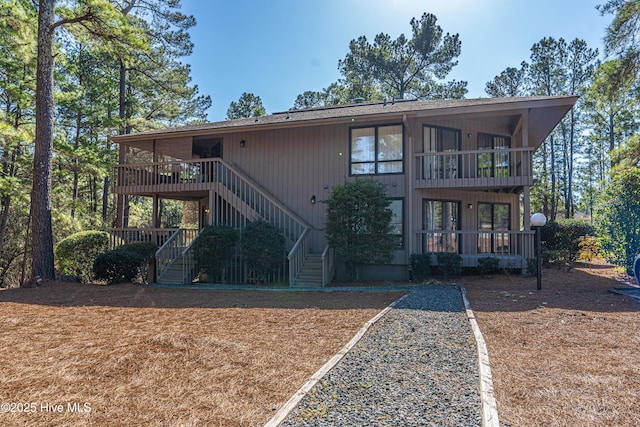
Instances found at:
x=568 y=355
x=88 y=355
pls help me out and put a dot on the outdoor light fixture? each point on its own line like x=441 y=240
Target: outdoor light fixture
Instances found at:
x=242 y=143
x=313 y=200
x=470 y=205
x=538 y=220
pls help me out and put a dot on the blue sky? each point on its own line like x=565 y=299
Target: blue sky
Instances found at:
x=277 y=49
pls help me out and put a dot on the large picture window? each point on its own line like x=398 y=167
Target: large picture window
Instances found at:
x=376 y=150
x=440 y=220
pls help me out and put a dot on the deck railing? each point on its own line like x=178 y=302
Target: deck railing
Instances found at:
x=475 y=168
x=124 y=236
x=512 y=248
x=237 y=200
x=173 y=248
x=179 y=172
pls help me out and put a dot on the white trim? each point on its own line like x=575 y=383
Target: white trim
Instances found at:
x=489 y=409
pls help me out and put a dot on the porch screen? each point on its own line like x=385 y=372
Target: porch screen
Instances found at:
x=494 y=221
x=440 y=141
x=440 y=224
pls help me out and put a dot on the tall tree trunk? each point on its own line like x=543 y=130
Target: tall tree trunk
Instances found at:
x=612 y=138
x=76 y=166
x=121 y=200
x=42 y=235
x=572 y=131
x=554 y=198
x=545 y=193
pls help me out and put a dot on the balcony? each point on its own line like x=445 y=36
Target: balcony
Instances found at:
x=176 y=176
x=506 y=169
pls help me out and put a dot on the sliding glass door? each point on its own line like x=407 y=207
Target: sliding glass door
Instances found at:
x=494 y=221
x=440 y=221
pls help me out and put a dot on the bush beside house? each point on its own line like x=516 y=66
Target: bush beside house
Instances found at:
x=213 y=249
x=75 y=255
x=358 y=225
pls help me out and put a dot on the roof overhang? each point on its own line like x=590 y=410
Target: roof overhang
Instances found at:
x=544 y=114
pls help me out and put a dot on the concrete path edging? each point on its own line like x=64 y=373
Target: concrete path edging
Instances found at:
x=284 y=412
x=489 y=407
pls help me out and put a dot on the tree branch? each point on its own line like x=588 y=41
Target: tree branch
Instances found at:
x=86 y=17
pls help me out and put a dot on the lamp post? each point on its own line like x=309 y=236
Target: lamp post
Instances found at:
x=538 y=220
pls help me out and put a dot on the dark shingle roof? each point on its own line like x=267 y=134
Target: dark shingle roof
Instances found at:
x=358 y=110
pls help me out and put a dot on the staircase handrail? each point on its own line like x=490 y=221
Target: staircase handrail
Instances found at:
x=168 y=252
x=188 y=265
x=327 y=265
x=265 y=193
x=162 y=260
x=297 y=255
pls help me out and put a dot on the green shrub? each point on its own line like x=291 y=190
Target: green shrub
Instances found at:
x=358 y=225
x=449 y=264
x=488 y=265
x=75 y=255
x=147 y=252
x=117 y=266
x=263 y=248
x=561 y=239
x=532 y=266
x=420 y=266
x=213 y=249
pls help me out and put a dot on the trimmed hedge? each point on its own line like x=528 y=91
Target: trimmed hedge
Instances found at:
x=75 y=255
x=147 y=252
x=488 y=265
x=263 y=248
x=213 y=249
x=449 y=264
x=117 y=266
x=420 y=266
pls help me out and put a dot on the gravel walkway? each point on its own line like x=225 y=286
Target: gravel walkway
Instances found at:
x=417 y=366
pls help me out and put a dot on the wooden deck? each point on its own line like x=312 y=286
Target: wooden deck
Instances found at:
x=506 y=169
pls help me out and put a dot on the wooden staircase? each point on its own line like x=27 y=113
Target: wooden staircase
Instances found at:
x=179 y=271
x=310 y=275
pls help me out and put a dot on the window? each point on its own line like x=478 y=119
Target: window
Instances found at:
x=440 y=221
x=397 y=222
x=494 y=220
x=377 y=150
x=440 y=140
x=493 y=164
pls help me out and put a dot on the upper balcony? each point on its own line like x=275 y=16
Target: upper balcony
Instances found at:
x=504 y=169
x=173 y=176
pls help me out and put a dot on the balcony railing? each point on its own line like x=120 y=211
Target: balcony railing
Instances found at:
x=504 y=167
x=124 y=236
x=180 y=175
x=512 y=248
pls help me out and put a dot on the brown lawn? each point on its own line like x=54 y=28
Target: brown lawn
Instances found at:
x=88 y=355
x=568 y=355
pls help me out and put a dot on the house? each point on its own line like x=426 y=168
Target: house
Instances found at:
x=458 y=173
